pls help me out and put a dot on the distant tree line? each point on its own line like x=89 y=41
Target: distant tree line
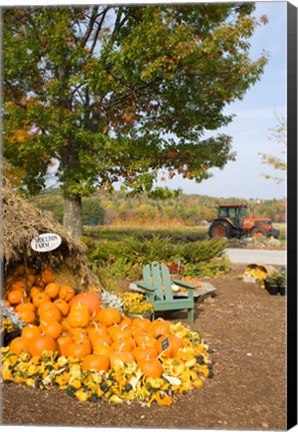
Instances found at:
x=108 y=209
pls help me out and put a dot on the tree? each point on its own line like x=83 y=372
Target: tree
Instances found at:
x=119 y=92
x=279 y=135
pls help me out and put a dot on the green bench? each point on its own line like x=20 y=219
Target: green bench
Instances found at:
x=157 y=285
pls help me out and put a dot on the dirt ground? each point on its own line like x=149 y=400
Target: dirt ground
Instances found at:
x=243 y=324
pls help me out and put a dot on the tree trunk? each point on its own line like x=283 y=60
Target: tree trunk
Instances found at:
x=72 y=217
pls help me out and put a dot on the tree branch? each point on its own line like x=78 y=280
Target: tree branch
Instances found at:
x=90 y=26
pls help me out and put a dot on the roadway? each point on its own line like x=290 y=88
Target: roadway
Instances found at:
x=257 y=256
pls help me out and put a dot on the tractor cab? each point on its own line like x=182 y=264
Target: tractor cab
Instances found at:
x=235 y=213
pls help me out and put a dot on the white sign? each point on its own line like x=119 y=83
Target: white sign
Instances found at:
x=46 y=242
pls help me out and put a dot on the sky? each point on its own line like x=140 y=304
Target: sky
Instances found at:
x=255 y=116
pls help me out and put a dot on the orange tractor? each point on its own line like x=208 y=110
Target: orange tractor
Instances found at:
x=233 y=221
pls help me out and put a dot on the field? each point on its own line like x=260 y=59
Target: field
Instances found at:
x=176 y=230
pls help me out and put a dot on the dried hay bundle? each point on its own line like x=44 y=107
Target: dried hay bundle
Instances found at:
x=21 y=222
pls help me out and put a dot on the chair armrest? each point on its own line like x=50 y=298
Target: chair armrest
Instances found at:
x=184 y=284
x=145 y=286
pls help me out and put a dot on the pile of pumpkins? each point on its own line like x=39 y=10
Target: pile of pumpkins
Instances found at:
x=69 y=340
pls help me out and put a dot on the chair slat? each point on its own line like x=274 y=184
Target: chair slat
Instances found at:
x=167 y=283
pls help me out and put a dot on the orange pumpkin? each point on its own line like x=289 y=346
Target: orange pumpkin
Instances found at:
x=78 y=316
x=53 y=328
x=144 y=354
x=109 y=316
x=78 y=349
x=15 y=297
x=20 y=270
x=159 y=327
x=27 y=315
x=106 y=350
x=127 y=345
x=42 y=343
x=25 y=307
x=47 y=275
x=97 y=362
x=40 y=298
x=152 y=367
x=63 y=306
x=52 y=289
x=35 y=290
x=101 y=340
x=66 y=293
x=139 y=323
x=63 y=342
x=19 y=284
x=50 y=314
x=96 y=331
x=30 y=331
x=175 y=343
x=19 y=344
x=90 y=299
x=119 y=335
x=78 y=334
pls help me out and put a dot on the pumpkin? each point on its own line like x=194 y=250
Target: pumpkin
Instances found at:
x=19 y=344
x=50 y=314
x=119 y=335
x=97 y=330
x=78 y=317
x=63 y=306
x=175 y=343
x=127 y=345
x=52 y=289
x=25 y=307
x=15 y=297
x=63 y=342
x=90 y=299
x=27 y=315
x=78 y=349
x=40 y=298
x=101 y=340
x=144 y=354
x=30 y=331
x=53 y=328
x=31 y=279
x=140 y=323
x=20 y=270
x=143 y=340
x=106 y=350
x=19 y=284
x=66 y=293
x=109 y=316
x=42 y=343
x=47 y=305
x=152 y=367
x=47 y=275
x=97 y=362
x=159 y=327
x=35 y=290
x=78 y=334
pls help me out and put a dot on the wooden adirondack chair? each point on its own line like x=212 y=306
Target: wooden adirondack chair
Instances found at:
x=157 y=285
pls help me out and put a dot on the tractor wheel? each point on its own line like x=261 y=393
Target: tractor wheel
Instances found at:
x=259 y=233
x=220 y=229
